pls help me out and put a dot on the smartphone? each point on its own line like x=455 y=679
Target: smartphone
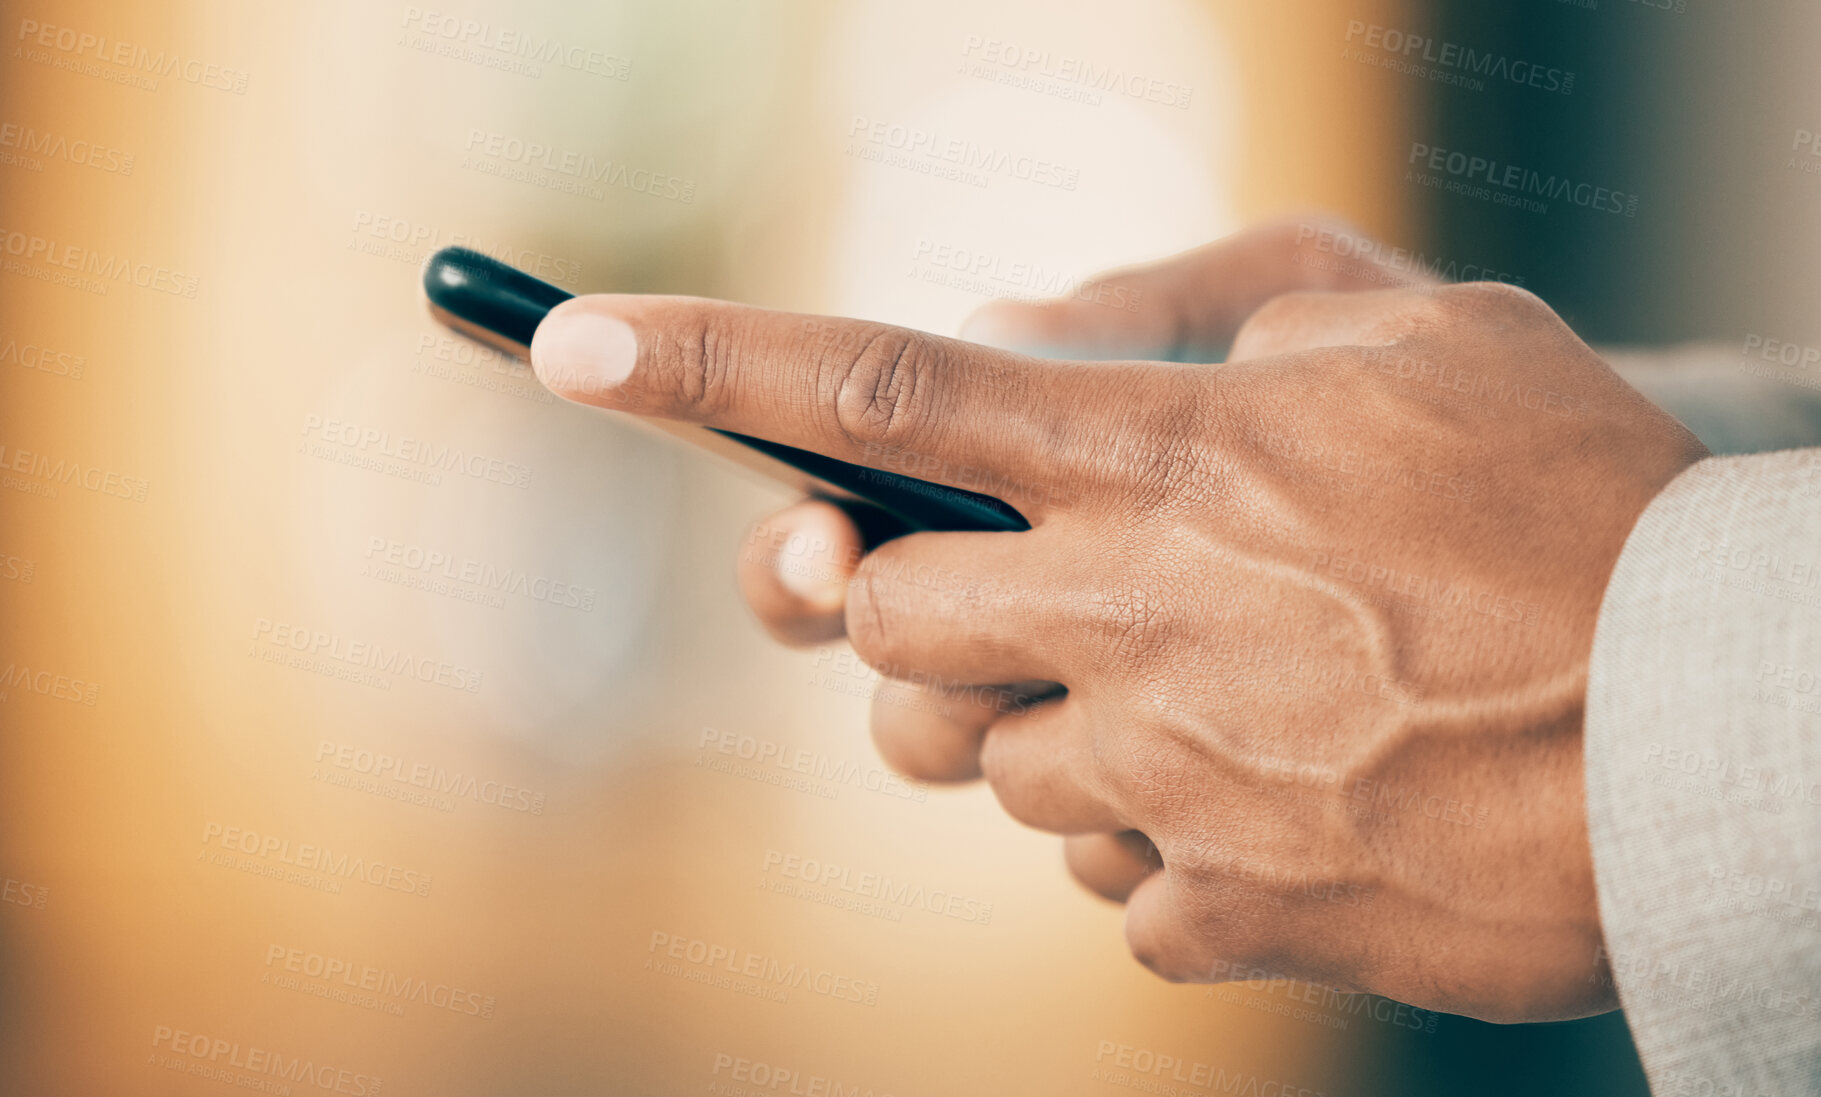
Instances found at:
x=501 y=306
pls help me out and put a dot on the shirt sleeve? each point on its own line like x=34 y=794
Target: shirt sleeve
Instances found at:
x=1703 y=751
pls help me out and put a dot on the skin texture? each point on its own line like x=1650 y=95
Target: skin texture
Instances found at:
x=1296 y=649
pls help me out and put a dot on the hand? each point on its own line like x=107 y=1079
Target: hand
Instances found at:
x=1322 y=614
x=797 y=564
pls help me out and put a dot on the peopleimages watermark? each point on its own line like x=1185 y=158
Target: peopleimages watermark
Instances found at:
x=87 y=53
x=503 y=48
x=1758 y=562
x=1757 y=570
x=989 y=274
x=403 y=240
x=341 y=979
x=1152 y=1072
x=750 y=1077
x=1301 y=673
x=47 y=683
x=315 y=866
x=43 y=359
x=1509 y=184
x=864 y=891
x=87 y=269
x=1281 y=881
x=1366 y=797
x=840 y=670
x=365 y=663
x=20 y=893
x=432 y=779
x=465 y=362
x=1790 y=363
x=1443 y=593
x=373 y=449
x=1385 y=263
x=262 y=1070
x=438 y=571
x=731 y=967
x=1439 y=381
x=1766 y=894
x=951 y=156
x=946 y=477
x=1448 y=62
x=567 y=171
x=1659 y=978
x=1739 y=782
x=1785 y=353
x=1333 y=1008
x=24 y=147
x=1064 y=76
x=770 y=762
x=1364 y=473
x=47 y=472
x=1788 y=686
x=17 y=569
x=1809 y=142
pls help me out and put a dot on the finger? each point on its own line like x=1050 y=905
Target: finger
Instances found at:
x=1188 y=307
x=1164 y=938
x=794 y=570
x=1308 y=321
x=1042 y=768
x=933 y=732
x=1201 y=927
x=861 y=392
x=1111 y=865
x=953 y=609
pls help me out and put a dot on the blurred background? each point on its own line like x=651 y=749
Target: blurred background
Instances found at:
x=373 y=723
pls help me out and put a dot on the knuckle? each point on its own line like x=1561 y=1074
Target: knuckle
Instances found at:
x=690 y=369
x=1137 y=623
x=1183 y=942
x=1148 y=770
x=883 y=388
x=1171 y=476
x=1154 y=960
x=906 y=759
x=1111 y=759
x=1022 y=794
x=870 y=614
x=1148 y=774
x=1080 y=872
x=1171 y=463
x=1005 y=778
x=900 y=748
x=1149 y=946
x=1270 y=327
x=1473 y=297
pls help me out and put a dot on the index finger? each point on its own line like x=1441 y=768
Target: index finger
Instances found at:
x=862 y=392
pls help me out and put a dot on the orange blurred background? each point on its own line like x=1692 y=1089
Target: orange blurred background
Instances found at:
x=322 y=769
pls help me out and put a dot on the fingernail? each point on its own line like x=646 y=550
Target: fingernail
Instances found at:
x=808 y=561
x=583 y=352
x=813 y=583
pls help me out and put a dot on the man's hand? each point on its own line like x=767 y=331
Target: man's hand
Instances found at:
x=1318 y=619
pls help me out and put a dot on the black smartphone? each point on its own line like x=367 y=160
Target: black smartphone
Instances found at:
x=501 y=306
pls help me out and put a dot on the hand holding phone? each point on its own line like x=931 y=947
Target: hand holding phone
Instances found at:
x=501 y=306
